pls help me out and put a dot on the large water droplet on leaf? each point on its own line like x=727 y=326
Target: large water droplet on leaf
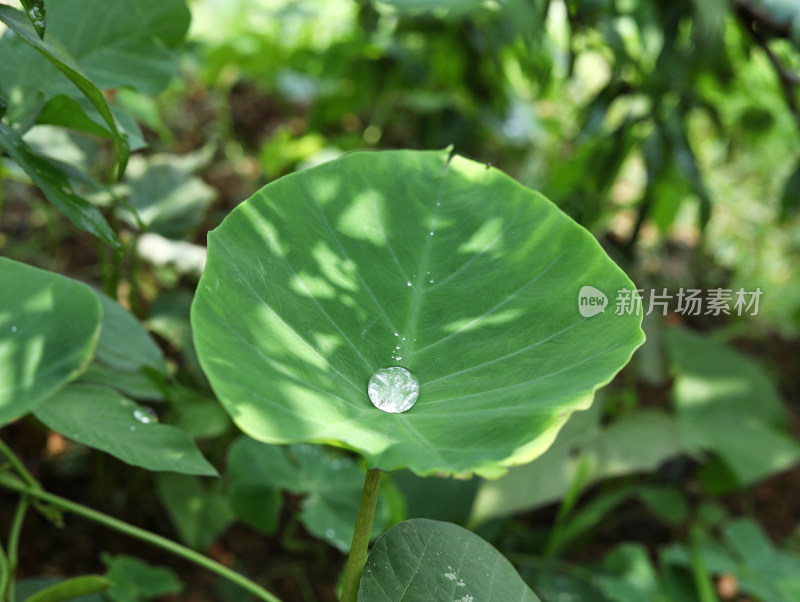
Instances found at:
x=145 y=415
x=393 y=389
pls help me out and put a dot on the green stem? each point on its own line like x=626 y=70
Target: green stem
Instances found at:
x=18 y=465
x=702 y=580
x=13 y=543
x=10 y=482
x=358 y=549
x=5 y=574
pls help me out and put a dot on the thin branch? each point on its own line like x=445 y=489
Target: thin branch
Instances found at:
x=754 y=18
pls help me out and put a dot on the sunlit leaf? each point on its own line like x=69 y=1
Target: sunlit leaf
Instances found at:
x=450 y=269
x=62 y=61
x=49 y=326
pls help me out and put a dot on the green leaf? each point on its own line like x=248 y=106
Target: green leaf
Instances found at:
x=132 y=579
x=436 y=498
x=26 y=589
x=169 y=199
x=639 y=442
x=36 y=12
x=138 y=385
x=66 y=64
x=200 y=514
x=634 y=577
x=49 y=326
x=728 y=405
x=116 y=44
x=423 y=559
x=72 y=589
x=56 y=187
x=103 y=419
x=331 y=483
x=124 y=344
x=198 y=414
x=449 y=268
x=78 y=114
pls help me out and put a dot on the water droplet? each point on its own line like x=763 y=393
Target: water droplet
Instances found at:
x=145 y=415
x=397 y=335
x=330 y=533
x=431 y=233
x=393 y=389
x=131 y=428
x=404 y=338
x=13 y=329
x=398 y=347
x=431 y=280
x=408 y=283
x=399 y=357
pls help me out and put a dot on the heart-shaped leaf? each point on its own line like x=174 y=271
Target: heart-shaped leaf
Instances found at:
x=446 y=267
x=424 y=559
x=49 y=326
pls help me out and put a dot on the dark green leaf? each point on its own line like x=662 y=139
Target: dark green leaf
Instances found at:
x=132 y=579
x=124 y=344
x=331 y=483
x=36 y=12
x=56 y=187
x=200 y=513
x=103 y=419
x=423 y=559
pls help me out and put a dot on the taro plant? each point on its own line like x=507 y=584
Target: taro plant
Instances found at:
x=431 y=323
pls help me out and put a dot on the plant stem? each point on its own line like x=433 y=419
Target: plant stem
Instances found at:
x=13 y=543
x=5 y=574
x=702 y=580
x=358 y=549
x=12 y=483
x=18 y=465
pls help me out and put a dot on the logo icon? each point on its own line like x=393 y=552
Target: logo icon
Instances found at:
x=591 y=301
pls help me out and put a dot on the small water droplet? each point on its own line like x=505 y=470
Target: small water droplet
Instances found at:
x=399 y=357
x=393 y=390
x=431 y=281
x=408 y=283
x=398 y=347
x=397 y=335
x=404 y=338
x=330 y=533
x=431 y=233
x=438 y=204
x=145 y=415
x=13 y=329
x=131 y=428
